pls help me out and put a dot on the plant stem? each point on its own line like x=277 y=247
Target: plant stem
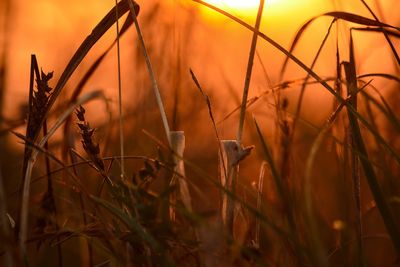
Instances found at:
x=151 y=73
x=249 y=72
x=121 y=125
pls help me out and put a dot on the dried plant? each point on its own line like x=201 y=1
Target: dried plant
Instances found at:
x=92 y=149
x=127 y=223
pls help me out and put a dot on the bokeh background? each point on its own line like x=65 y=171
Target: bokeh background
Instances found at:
x=183 y=35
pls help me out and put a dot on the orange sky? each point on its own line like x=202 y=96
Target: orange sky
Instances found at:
x=217 y=48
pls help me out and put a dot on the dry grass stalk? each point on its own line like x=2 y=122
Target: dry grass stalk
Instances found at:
x=37 y=105
x=121 y=127
x=232 y=153
x=354 y=161
x=32 y=160
x=249 y=71
x=91 y=148
x=179 y=177
x=156 y=90
x=227 y=181
x=260 y=188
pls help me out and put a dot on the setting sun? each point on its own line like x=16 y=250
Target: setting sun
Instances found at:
x=239 y=4
x=235 y=3
x=248 y=8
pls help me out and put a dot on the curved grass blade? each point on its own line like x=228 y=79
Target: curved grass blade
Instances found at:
x=318 y=256
x=84 y=48
x=382 y=75
x=349 y=17
x=389 y=32
x=396 y=55
x=320 y=80
x=358 y=19
x=76 y=59
x=79 y=88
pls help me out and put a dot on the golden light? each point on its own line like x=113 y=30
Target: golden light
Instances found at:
x=235 y=3
x=245 y=8
x=239 y=4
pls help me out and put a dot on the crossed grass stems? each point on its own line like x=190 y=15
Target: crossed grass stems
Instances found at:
x=127 y=196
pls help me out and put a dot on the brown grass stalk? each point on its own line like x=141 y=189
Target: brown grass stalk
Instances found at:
x=121 y=118
x=249 y=71
x=150 y=70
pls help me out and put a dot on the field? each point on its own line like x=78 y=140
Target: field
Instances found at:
x=200 y=133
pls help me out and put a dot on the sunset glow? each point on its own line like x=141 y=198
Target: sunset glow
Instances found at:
x=235 y=3
x=240 y=4
x=248 y=8
x=199 y=133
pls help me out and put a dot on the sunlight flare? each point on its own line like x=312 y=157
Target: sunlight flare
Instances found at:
x=243 y=8
x=239 y=4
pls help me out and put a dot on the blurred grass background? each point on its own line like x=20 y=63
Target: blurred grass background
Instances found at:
x=180 y=35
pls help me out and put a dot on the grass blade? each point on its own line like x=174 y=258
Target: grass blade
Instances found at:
x=152 y=75
x=83 y=49
x=396 y=55
x=249 y=72
x=121 y=126
x=349 y=17
x=369 y=172
x=352 y=89
x=320 y=80
x=280 y=188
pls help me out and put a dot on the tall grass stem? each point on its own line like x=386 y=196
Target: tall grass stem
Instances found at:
x=121 y=118
x=152 y=74
x=249 y=72
x=260 y=189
